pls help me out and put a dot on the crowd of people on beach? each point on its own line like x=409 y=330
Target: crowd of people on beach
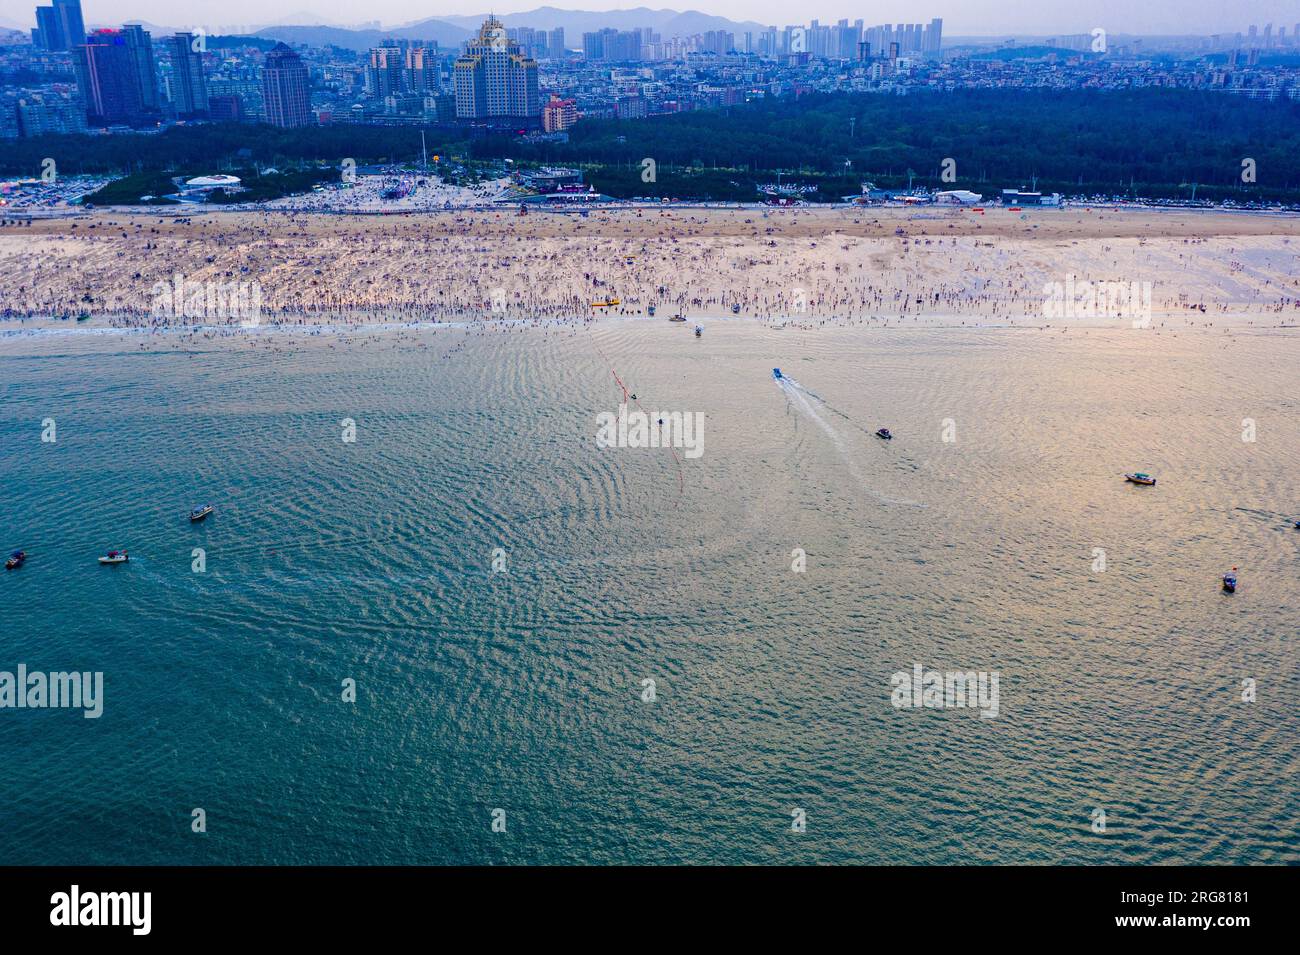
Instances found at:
x=498 y=267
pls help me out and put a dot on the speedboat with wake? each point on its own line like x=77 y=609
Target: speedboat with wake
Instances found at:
x=15 y=560
x=200 y=512
x=114 y=557
x=1138 y=477
x=1230 y=581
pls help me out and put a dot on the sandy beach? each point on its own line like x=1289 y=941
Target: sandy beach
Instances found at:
x=802 y=264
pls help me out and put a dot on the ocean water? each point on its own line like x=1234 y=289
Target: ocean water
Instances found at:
x=1120 y=689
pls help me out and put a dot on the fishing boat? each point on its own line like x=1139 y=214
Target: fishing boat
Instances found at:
x=1138 y=477
x=200 y=512
x=776 y=373
x=699 y=330
x=884 y=433
x=1230 y=581
x=114 y=557
x=679 y=317
x=15 y=560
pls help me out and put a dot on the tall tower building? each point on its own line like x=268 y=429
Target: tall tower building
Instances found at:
x=108 y=76
x=60 y=26
x=384 y=72
x=140 y=43
x=189 y=87
x=494 y=79
x=286 y=88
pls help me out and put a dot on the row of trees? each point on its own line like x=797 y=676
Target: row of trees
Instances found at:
x=1147 y=142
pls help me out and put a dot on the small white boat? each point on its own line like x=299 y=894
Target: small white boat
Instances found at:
x=114 y=557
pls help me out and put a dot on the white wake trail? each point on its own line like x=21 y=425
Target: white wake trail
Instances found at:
x=795 y=392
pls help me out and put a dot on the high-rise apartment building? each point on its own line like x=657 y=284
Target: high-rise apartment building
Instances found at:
x=559 y=114
x=109 y=68
x=286 y=88
x=494 y=79
x=555 y=43
x=189 y=87
x=60 y=26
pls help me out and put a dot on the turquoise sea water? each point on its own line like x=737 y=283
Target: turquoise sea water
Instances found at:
x=522 y=690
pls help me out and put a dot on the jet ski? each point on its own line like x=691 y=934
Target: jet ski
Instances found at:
x=884 y=433
x=1230 y=581
x=776 y=373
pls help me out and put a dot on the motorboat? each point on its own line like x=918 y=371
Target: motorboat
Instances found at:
x=1138 y=477
x=884 y=433
x=15 y=560
x=114 y=557
x=200 y=512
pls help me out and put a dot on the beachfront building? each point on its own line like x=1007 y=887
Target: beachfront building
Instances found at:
x=286 y=89
x=494 y=79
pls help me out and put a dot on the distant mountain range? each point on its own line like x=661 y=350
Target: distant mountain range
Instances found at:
x=313 y=29
x=444 y=34
x=452 y=31
x=578 y=22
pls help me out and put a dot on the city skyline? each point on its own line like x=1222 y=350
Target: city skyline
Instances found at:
x=967 y=17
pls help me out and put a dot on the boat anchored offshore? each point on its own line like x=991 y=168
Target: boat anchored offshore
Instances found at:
x=200 y=512
x=1230 y=581
x=884 y=433
x=15 y=560
x=114 y=557
x=1137 y=477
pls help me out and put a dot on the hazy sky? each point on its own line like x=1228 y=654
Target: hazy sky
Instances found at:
x=960 y=16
